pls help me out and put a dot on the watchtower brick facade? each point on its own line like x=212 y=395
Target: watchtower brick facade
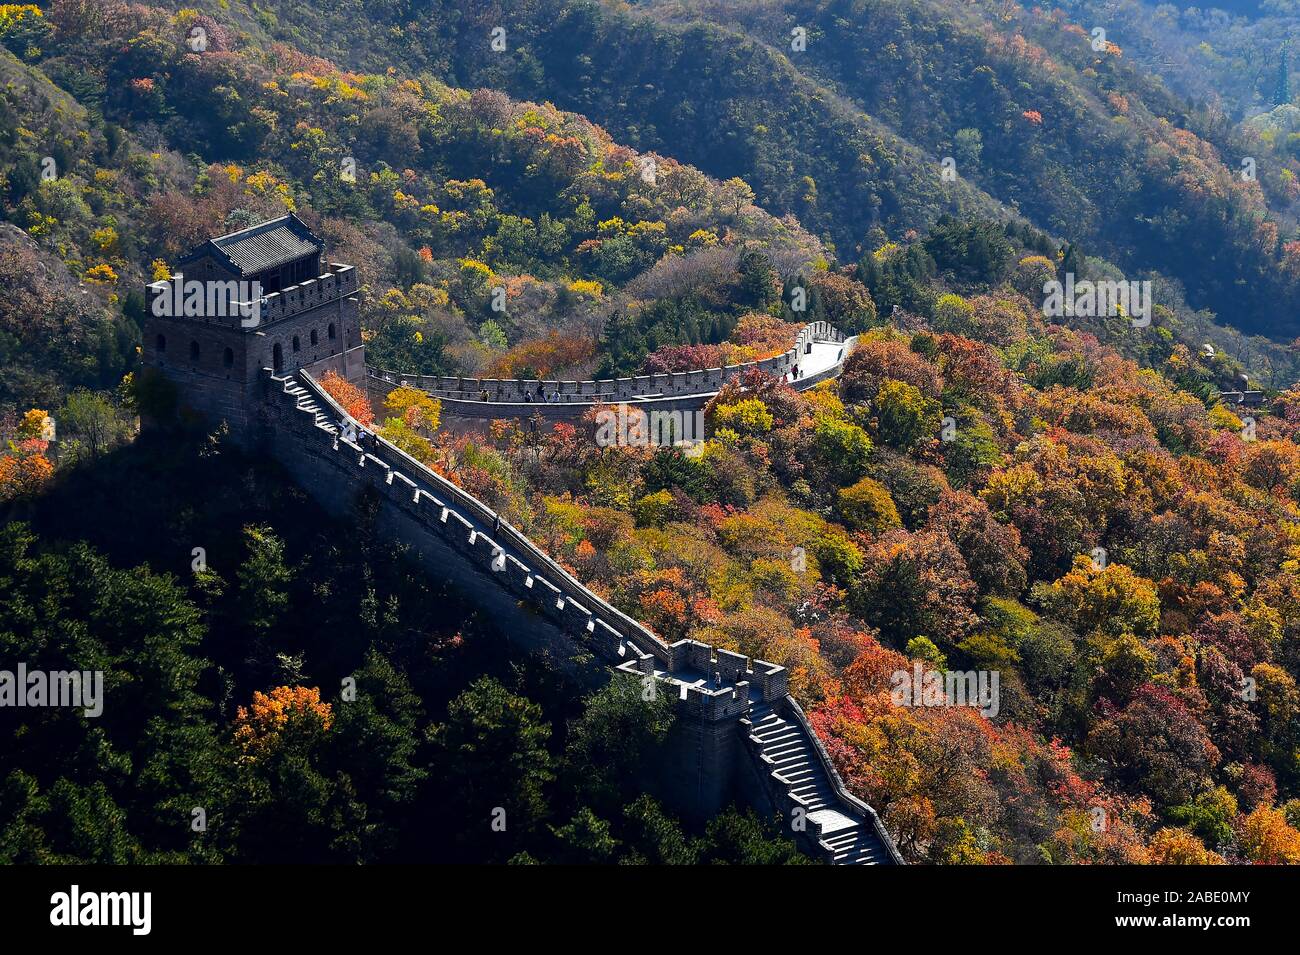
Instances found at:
x=240 y=306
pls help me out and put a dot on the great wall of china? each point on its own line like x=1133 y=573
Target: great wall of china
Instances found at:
x=739 y=735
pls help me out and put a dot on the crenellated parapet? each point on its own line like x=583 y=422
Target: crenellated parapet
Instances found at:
x=544 y=394
x=338 y=283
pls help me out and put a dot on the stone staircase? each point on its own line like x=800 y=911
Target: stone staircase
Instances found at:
x=798 y=777
x=306 y=402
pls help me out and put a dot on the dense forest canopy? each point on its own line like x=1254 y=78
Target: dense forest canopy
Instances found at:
x=1078 y=141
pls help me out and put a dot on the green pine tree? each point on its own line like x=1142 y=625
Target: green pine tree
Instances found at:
x=1282 y=92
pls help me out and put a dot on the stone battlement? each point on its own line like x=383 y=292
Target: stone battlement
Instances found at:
x=611 y=390
x=339 y=282
x=239 y=311
x=510 y=558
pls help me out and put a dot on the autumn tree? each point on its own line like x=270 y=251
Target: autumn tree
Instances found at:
x=1156 y=745
x=1267 y=839
x=351 y=398
x=1110 y=600
x=1180 y=847
x=915 y=584
x=904 y=416
x=272 y=719
x=417 y=408
x=867 y=506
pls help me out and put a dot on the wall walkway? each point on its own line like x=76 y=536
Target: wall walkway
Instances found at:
x=819 y=353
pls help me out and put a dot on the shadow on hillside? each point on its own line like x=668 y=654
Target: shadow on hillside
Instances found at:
x=158 y=499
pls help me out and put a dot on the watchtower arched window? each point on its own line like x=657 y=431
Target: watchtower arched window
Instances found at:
x=194 y=351
x=313 y=337
x=295 y=342
x=277 y=357
x=228 y=359
x=331 y=332
x=160 y=343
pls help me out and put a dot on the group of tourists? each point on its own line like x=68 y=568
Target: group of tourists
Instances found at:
x=553 y=398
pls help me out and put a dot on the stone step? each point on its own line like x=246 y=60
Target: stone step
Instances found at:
x=789 y=762
x=863 y=858
x=782 y=739
x=814 y=788
x=812 y=800
x=815 y=802
x=802 y=775
x=794 y=774
x=803 y=790
x=797 y=761
x=783 y=756
x=785 y=751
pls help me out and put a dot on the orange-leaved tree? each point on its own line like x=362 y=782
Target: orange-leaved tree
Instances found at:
x=544 y=357
x=24 y=466
x=352 y=398
x=272 y=717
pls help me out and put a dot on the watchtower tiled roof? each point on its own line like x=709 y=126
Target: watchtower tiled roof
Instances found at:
x=264 y=246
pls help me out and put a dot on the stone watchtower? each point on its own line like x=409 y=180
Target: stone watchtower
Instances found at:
x=258 y=301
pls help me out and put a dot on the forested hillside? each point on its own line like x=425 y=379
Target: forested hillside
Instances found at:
x=979 y=492
x=849 y=133
x=478 y=223
x=1080 y=144
x=286 y=689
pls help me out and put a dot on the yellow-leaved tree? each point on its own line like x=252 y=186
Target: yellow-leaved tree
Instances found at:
x=418 y=409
